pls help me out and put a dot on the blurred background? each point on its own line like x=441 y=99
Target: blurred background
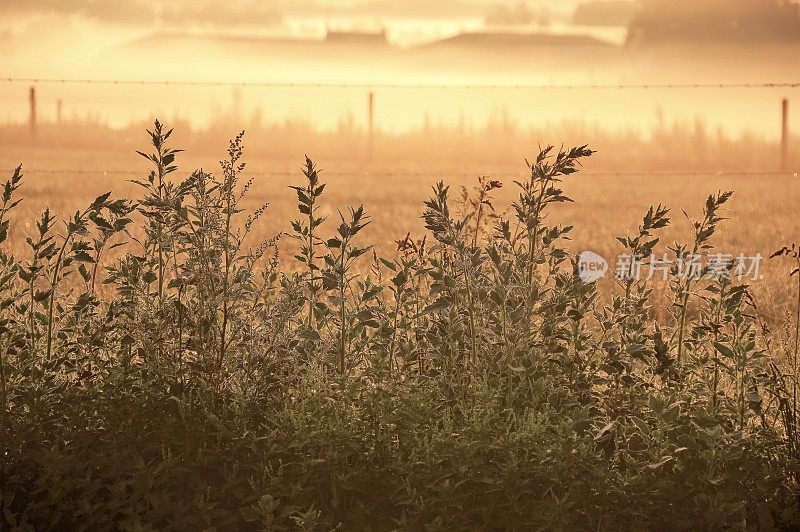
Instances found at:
x=406 y=84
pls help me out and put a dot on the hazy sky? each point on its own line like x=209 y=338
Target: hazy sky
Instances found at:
x=142 y=10
x=117 y=39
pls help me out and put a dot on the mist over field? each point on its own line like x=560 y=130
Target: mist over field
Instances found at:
x=454 y=44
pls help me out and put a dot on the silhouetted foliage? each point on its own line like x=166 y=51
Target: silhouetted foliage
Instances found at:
x=471 y=380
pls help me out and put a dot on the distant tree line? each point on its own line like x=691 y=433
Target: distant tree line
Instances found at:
x=715 y=21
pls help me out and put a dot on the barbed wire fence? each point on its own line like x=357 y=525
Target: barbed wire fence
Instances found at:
x=417 y=86
x=421 y=175
x=785 y=170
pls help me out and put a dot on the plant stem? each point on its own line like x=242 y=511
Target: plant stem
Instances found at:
x=226 y=278
x=180 y=337
x=624 y=332
x=32 y=302
x=481 y=197
x=682 y=322
x=342 y=311
x=717 y=317
x=310 y=253
x=742 y=363
x=53 y=287
x=94 y=269
x=796 y=345
x=394 y=332
x=534 y=238
x=3 y=396
x=685 y=301
x=470 y=312
x=159 y=242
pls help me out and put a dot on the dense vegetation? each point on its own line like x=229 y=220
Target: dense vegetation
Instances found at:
x=163 y=368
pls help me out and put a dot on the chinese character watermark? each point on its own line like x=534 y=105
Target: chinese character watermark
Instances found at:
x=695 y=266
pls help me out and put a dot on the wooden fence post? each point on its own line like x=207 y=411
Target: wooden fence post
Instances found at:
x=32 y=111
x=785 y=135
x=370 y=124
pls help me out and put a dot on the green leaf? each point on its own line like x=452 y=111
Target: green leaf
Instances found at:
x=724 y=349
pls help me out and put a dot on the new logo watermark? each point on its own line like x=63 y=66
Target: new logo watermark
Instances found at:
x=591 y=266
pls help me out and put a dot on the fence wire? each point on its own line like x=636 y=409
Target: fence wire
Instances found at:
x=429 y=174
x=420 y=86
